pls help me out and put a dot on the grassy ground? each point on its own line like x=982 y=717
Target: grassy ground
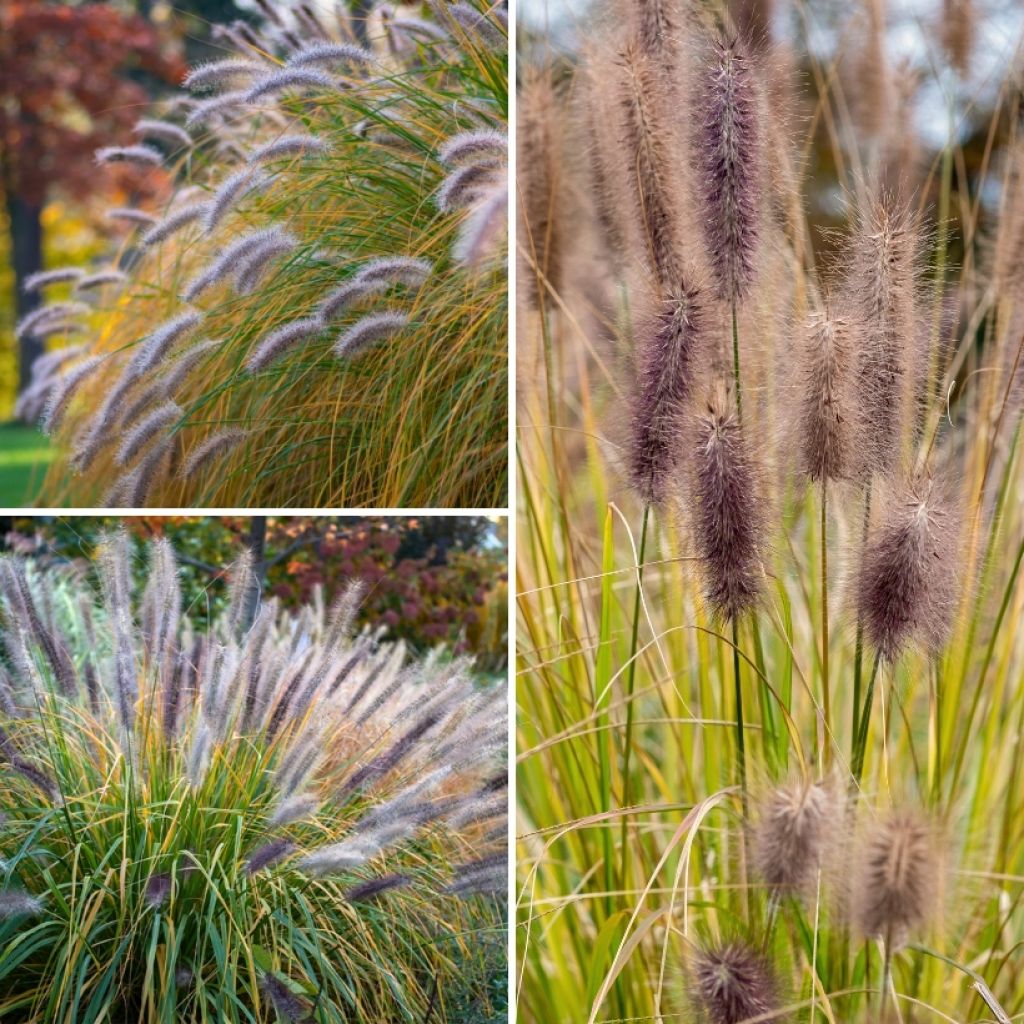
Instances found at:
x=24 y=456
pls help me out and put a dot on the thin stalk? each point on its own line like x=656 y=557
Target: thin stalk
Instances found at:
x=886 y=973
x=631 y=674
x=861 y=740
x=741 y=751
x=826 y=697
x=736 y=363
x=858 y=650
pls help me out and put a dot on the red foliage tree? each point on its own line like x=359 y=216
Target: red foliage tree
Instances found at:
x=71 y=80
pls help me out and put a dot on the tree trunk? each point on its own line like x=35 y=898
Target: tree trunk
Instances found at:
x=27 y=258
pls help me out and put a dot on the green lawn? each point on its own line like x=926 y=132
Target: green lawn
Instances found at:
x=24 y=455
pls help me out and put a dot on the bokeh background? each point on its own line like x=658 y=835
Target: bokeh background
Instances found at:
x=75 y=76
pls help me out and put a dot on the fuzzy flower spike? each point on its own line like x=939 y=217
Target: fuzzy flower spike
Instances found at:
x=727 y=149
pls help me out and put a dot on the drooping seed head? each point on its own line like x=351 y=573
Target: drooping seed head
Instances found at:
x=43 y=278
x=100 y=280
x=727 y=517
x=174 y=222
x=166 y=131
x=215 y=73
x=15 y=903
x=212 y=448
x=282 y=338
x=898 y=876
x=289 y=78
x=668 y=344
x=908 y=580
x=329 y=55
x=288 y=1005
x=371 y=330
x=268 y=854
x=733 y=983
x=139 y=154
x=288 y=145
x=375 y=887
x=728 y=153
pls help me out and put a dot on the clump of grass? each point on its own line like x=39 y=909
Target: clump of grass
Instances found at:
x=169 y=789
x=769 y=692
x=301 y=161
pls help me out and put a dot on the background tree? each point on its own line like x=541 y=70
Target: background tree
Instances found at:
x=71 y=79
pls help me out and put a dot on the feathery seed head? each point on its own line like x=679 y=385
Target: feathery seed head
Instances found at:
x=908 y=583
x=796 y=824
x=282 y=338
x=174 y=222
x=15 y=903
x=668 y=345
x=733 y=983
x=651 y=180
x=407 y=270
x=43 y=278
x=100 y=280
x=130 y=216
x=370 y=330
x=207 y=109
x=290 y=1007
x=727 y=149
x=215 y=73
x=212 y=448
x=330 y=54
x=727 y=516
x=826 y=418
x=146 y=430
x=375 y=887
x=166 y=131
x=65 y=390
x=289 y=78
x=268 y=854
x=288 y=145
x=138 y=154
x=471 y=146
x=230 y=190
x=898 y=877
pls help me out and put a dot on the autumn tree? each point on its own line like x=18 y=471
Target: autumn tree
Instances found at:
x=72 y=79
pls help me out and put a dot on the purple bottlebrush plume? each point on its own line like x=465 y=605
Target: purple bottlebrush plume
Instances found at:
x=882 y=300
x=226 y=261
x=727 y=514
x=174 y=222
x=464 y=185
x=289 y=78
x=100 y=280
x=339 y=299
x=656 y=24
x=484 y=229
x=16 y=903
x=269 y=853
x=796 y=823
x=668 y=347
x=729 y=158
x=310 y=22
x=131 y=216
x=485 y=875
x=202 y=112
x=154 y=347
x=295 y=808
x=256 y=262
x=43 y=278
x=287 y=1004
x=278 y=341
x=652 y=187
x=218 y=72
x=329 y=54
x=407 y=270
x=484 y=143
x=65 y=390
x=166 y=131
x=183 y=366
x=134 y=489
x=733 y=982
x=898 y=877
x=212 y=448
x=270 y=12
x=370 y=330
x=158 y=890
x=230 y=190
x=38 y=319
x=288 y=145
x=826 y=415
x=375 y=887
x=908 y=581
x=408 y=27
x=138 y=154
x=146 y=430
x=476 y=24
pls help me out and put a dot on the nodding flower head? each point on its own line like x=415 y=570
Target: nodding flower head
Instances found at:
x=728 y=153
